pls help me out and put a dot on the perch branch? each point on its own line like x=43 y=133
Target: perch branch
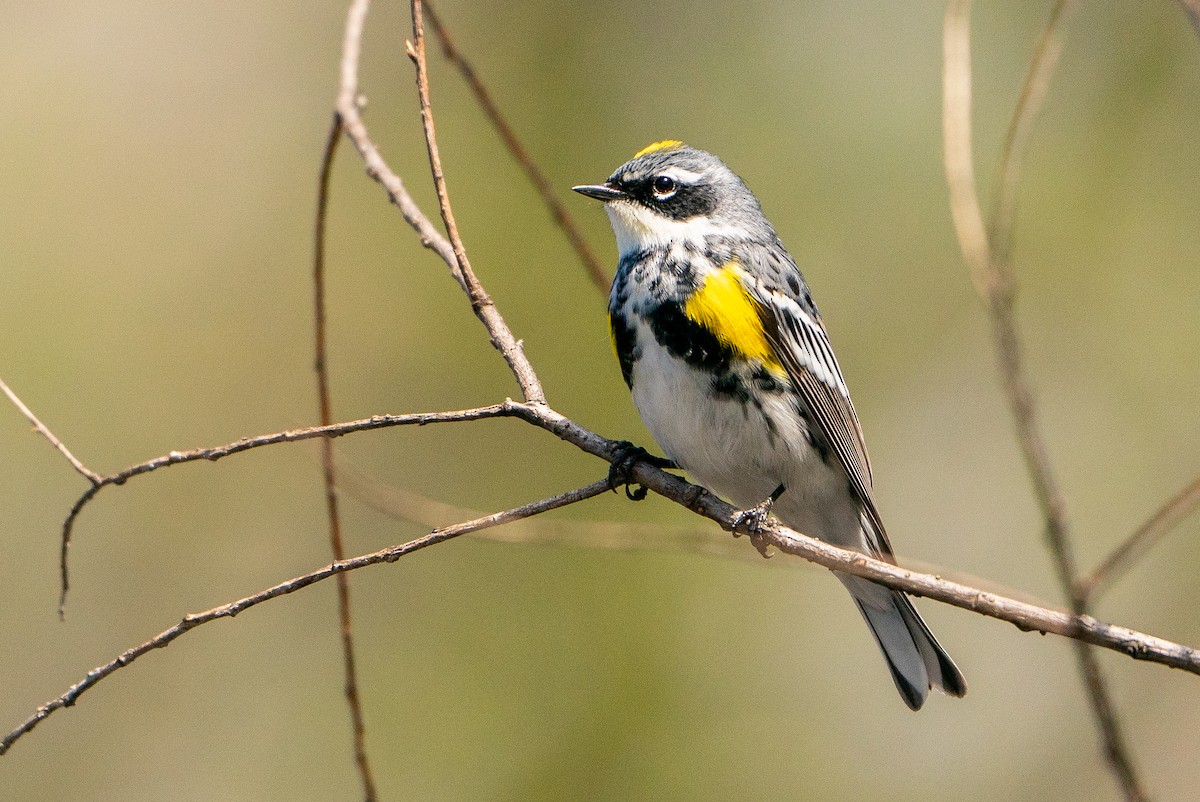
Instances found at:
x=1026 y=617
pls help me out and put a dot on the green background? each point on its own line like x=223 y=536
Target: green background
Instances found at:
x=158 y=167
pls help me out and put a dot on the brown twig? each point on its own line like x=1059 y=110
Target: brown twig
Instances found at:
x=325 y=408
x=45 y=432
x=214 y=453
x=481 y=302
x=992 y=275
x=599 y=277
x=193 y=620
x=1154 y=529
x=348 y=110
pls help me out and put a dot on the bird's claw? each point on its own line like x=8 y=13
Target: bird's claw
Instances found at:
x=620 y=474
x=750 y=522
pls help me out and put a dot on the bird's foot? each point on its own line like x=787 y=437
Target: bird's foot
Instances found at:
x=621 y=472
x=750 y=521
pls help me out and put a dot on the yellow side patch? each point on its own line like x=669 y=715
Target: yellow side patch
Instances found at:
x=722 y=306
x=661 y=145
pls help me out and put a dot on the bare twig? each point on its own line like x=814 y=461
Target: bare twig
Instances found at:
x=193 y=620
x=214 y=453
x=1192 y=9
x=1029 y=104
x=41 y=429
x=325 y=407
x=599 y=277
x=1154 y=529
x=992 y=275
x=481 y=302
x=348 y=110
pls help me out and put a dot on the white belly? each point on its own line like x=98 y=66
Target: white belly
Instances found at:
x=728 y=447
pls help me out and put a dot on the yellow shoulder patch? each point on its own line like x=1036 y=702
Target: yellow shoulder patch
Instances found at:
x=722 y=306
x=660 y=145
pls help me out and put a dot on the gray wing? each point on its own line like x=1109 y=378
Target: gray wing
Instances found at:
x=794 y=330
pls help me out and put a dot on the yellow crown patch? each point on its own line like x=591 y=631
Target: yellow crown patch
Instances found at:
x=660 y=145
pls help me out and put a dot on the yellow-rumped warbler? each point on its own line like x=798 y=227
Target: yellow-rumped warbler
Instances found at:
x=732 y=372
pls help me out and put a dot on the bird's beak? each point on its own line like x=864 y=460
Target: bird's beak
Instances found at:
x=604 y=192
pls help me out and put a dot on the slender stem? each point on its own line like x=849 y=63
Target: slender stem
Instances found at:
x=1127 y=553
x=481 y=302
x=599 y=277
x=325 y=407
x=45 y=432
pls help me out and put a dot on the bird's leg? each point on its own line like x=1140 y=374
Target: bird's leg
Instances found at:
x=751 y=520
x=621 y=472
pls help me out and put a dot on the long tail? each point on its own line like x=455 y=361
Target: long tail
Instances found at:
x=917 y=661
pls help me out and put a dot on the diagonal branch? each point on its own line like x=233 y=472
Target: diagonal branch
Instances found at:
x=992 y=275
x=41 y=429
x=599 y=277
x=325 y=408
x=1154 y=529
x=336 y=568
x=481 y=302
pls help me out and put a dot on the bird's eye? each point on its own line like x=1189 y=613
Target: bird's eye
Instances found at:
x=664 y=186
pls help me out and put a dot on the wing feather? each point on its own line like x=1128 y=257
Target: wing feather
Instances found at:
x=795 y=332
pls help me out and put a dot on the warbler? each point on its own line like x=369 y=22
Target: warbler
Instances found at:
x=732 y=371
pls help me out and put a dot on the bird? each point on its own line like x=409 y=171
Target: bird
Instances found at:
x=731 y=369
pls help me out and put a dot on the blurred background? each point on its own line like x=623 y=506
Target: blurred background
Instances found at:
x=159 y=167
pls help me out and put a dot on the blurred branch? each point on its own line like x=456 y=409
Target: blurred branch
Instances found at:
x=481 y=302
x=1192 y=9
x=325 y=408
x=628 y=536
x=193 y=620
x=558 y=211
x=214 y=453
x=41 y=429
x=1154 y=529
x=993 y=279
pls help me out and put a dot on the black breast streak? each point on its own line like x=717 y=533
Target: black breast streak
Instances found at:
x=626 y=344
x=686 y=340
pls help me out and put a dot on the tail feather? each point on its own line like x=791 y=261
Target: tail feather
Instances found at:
x=917 y=661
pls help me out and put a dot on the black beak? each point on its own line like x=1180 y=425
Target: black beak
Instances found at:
x=604 y=192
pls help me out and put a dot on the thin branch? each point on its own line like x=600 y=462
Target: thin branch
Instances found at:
x=321 y=360
x=1029 y=104
x=348 y=110
x=481 y=302
x=214 y=453
x=41 y=429
x=193 y=620
x=993 y=279
x=1123 y=556
x=599 y=277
